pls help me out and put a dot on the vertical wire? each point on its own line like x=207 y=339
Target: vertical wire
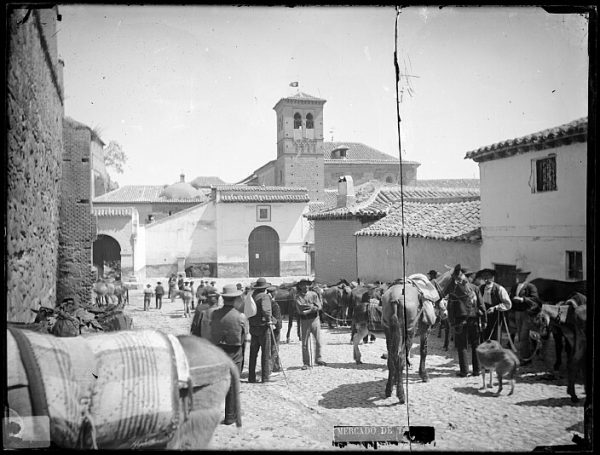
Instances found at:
x=400 y=179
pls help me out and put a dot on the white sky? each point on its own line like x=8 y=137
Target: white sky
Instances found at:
x=192 y=88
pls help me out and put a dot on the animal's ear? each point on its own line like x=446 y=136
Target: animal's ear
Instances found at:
x=456 y=270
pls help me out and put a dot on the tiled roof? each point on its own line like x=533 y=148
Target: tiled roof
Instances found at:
x=303 y=96
x=453 y=221
x=359 y=153
x=142 y=194
x=575 y=131
x=206 y=182
x=448 y=183
x=112 y=211
x=260 y=194
x=385 y=199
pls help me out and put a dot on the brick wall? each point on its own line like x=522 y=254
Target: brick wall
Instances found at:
x=304 y=171
x=335 y=249
x=75 y=235
x=33 y=161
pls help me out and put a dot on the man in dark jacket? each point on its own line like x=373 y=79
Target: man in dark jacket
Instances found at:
x=159 y=291
x=278 y=318
x=496 y=301
x=466 y=313
x=525 y=303
x=228 y=331
x=260 y=331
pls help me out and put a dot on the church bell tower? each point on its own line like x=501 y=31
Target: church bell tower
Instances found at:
x=300 y=160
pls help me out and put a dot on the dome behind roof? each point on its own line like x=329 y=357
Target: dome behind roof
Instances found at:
x=181 y=190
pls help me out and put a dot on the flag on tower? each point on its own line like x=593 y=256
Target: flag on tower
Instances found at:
x=293 y=84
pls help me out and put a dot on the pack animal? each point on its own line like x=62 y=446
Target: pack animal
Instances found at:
x=411 y=308
x=493 y=357
x=125 y=390
x=571 y=318
x=552 y=292
x=336 y=301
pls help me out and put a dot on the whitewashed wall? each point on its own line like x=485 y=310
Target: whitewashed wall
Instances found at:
x=534 y=230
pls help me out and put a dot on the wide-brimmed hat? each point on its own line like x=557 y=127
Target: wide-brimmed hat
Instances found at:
x=482 y=272
x=519 y=271
x=261 y=283
x=230 y=290
x=304 y=281
x=433 y=273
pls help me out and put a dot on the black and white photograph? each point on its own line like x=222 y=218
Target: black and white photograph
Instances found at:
x=299 y=228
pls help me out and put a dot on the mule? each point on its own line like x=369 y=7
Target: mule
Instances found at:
x=409 y=306
x=127 y=390
x=572 y=323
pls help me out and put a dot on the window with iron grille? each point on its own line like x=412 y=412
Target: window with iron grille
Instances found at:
x=545 y=174
x=574 y=265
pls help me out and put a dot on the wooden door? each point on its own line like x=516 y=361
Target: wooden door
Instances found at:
x=263 y=252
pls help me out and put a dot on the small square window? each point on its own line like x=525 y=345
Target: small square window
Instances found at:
x=263 y=213
x=574 y=265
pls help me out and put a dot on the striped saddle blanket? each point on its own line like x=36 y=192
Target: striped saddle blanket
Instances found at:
x=122 y=387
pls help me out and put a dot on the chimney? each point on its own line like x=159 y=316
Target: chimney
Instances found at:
x=182 y=178
x=345 y=196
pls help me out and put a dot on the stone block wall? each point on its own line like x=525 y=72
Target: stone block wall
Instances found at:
x=75 y=235
x=33 y=160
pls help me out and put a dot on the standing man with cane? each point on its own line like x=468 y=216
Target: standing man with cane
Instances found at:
x=308 y=305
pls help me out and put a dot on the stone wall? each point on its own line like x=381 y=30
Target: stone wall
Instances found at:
x=75 y=235
x=33 y=161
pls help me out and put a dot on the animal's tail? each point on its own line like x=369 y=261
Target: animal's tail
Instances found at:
x=235 y=385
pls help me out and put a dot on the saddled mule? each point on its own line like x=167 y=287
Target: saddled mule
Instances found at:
x=125 y=390
x=572 y=320
x=407 y=310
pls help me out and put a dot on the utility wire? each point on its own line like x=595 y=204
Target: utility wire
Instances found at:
x=400 y=179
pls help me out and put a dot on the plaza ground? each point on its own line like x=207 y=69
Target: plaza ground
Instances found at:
x=298 y=410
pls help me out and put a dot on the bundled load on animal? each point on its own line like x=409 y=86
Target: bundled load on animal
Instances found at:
x=69 y=319
x=125 y=390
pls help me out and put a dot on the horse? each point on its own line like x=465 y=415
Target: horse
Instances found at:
x=407 y=308
x=571 y=318
x=125 y=390
x=336 y=301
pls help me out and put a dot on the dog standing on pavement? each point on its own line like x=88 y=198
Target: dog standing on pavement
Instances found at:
x=492 y=356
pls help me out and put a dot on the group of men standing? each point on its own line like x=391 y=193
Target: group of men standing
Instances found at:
x=477 y=311
x=228 y=327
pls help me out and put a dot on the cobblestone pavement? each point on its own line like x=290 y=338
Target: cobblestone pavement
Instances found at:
x=300 y=413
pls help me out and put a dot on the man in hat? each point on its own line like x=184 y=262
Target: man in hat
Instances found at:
x=187 y=298
x=260 y=331
x=147 y=296
x=228 y=331
x=159 y=291
x=525 y=303
x=496 y=301
x=466 y=313
x=203 y=314
x=308 y=305
x=432 y=275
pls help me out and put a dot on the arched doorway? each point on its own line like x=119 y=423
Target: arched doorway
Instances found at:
x=263 y=252
x=106 y=256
